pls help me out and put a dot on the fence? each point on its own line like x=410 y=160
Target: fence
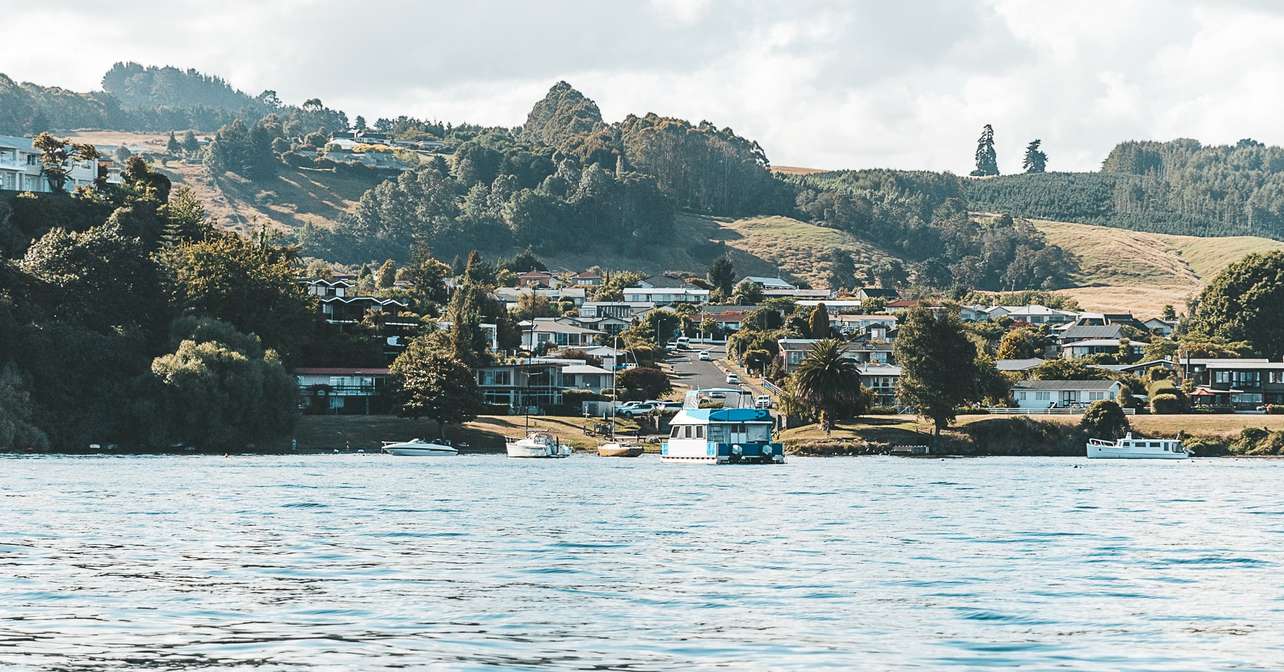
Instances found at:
x=771 y=387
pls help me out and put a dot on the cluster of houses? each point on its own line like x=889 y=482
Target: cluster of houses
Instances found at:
x=572 y=352
x=20 y=168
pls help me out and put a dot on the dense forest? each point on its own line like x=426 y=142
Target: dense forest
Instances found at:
x=1179 y=187
x=923 y=217
x=134 y=98
x=139 y=87
x=567 y=180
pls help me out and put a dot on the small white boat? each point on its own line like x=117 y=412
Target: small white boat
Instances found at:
x=615 y=447
x=1129 y=448
x=537 y=444
x=620 y=449
x=418 y=448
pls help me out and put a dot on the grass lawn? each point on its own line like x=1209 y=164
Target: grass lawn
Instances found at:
x=1202 y=424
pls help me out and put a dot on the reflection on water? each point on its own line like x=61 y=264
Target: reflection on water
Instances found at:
x=374 y=562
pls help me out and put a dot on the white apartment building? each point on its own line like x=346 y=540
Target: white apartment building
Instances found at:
x=20 y=168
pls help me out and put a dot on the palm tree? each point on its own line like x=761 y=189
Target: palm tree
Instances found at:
x=829 y=381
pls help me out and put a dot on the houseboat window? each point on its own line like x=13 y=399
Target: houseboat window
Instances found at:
x=759 y=433
x=699 y=432
x=677 y=429
x=718 y=433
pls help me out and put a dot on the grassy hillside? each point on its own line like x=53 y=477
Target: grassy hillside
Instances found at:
x=1141 y=272
x=294 y=197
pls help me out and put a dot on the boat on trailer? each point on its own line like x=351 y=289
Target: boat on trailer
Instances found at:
x=1129 y=448
x=418 y=448
x=721 y=426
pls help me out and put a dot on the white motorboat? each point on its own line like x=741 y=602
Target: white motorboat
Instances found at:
x=418 y=448
x=1129 y=448
x=537 y=444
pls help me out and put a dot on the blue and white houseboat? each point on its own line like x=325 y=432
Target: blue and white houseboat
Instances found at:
x=721 y=426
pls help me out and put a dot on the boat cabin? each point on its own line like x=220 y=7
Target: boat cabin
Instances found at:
x=721 y=426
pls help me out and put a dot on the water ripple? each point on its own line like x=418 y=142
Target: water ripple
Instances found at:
x=378 y=563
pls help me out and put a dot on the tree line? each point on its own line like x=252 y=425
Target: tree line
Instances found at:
x=1179 y=187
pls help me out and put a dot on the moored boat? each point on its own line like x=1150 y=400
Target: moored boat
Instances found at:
x=1129 y=448
x=716 y=427
x=418 y=448
x=617 y=449
x=537 y=445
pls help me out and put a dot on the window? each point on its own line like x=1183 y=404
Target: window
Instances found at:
x=718 y=433
x=1096 y=396
x=1042 y=395
x=677 y=431
x=699 y=432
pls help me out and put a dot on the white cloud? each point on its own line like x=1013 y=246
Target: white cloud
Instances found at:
x=825 y=83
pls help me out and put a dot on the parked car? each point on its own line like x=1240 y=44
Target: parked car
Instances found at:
x=684 y=343
x=762 y=401
x=633 y=409
x=705 y=356
x=733 y=379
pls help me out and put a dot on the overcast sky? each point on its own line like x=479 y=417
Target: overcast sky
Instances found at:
x=842 y=84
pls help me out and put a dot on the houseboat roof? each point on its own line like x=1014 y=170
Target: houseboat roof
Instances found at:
x=702 y=416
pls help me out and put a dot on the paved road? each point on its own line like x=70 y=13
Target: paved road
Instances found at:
x=690 y=371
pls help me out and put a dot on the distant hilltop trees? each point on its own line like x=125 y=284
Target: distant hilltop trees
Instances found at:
x=1180 y=187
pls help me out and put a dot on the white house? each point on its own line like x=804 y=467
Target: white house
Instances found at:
x=666 y=296
x=548 y=331
x=1033 y=314
x=20 y=168
x=1041 y=394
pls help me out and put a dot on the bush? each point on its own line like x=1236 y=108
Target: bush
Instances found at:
x=1205 y=447
x=1104 y=420
x=1246 y=442
x=1165 y=403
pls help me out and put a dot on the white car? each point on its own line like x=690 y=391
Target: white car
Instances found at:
x=705 y=356
x=733 y=379
x=762 y=401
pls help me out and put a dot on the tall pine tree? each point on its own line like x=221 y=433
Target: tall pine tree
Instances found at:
x=987 y=160
x=1035 y=160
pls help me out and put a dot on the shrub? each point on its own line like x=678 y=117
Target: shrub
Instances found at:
x=1246 y=442
x=1165 y=403
x=1104 y=419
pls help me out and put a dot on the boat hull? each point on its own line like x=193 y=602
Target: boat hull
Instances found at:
x=536 y=451
x=619 y=450
x=422 y=452
x=1110 y=453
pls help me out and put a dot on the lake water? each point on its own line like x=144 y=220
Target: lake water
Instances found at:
x=480 y=562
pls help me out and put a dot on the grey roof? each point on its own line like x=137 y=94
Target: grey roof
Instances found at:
x=1091 y=331
x=1017 y=364
x=1095 y=385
